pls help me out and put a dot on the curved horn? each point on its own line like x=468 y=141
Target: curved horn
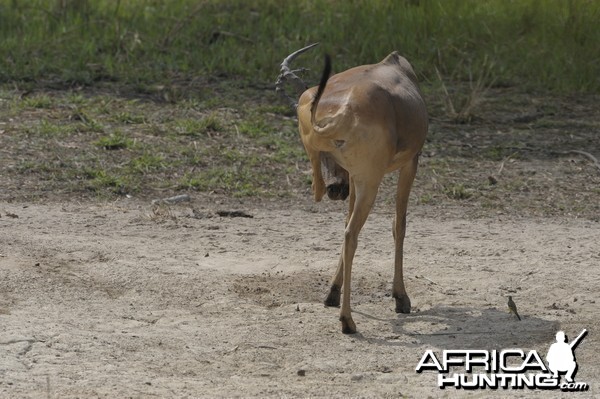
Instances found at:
x=287 y=73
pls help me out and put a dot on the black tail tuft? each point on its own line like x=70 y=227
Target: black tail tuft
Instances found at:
x=322 y=84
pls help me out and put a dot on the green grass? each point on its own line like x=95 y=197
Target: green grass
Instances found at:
x=239 y=182
x=147 y=162
x=38 y=101
x=97 y=145
x=541 y=44
x=126 y=117
x=114 y=141
x=47 y=128
x=196 y=127
x=147 y=98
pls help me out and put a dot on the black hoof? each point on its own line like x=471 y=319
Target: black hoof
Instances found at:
x=338 y=191
x=348 y=326
x=402 y=304
x=333 y=299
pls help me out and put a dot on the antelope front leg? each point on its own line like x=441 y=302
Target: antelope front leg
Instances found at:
x=405 y=180
x=318 y=185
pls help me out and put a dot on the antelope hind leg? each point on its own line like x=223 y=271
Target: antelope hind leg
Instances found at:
x=335 y=291
x=365 y=192
x=405 y=180
x=318 y=185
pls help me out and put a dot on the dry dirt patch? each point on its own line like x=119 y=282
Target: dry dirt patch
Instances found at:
x=111 y=300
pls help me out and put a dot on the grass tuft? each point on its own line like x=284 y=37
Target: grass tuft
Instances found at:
x=42 y=101
x=199 y=127
x=114 y=141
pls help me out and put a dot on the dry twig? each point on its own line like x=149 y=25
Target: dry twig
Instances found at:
x=586 y=154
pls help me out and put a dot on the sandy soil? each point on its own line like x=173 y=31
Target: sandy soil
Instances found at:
x=120 y=300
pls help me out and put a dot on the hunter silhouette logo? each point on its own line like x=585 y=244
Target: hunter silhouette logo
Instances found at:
x=561 y=358
x=508 y=368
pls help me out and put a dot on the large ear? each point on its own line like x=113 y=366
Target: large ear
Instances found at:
x=392 y=58
x=396 y=59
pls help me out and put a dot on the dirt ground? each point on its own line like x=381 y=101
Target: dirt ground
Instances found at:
x=121 y=298
x=124 y=299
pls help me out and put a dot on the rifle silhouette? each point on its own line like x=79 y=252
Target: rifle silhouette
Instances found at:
x=575 y=342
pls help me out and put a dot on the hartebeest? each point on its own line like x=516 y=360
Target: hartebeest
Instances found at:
x=356 y=126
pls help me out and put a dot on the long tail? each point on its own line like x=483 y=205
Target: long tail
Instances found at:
x=321 y=89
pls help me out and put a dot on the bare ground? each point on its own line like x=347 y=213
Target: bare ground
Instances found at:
x=121 y=299
x=103 y=298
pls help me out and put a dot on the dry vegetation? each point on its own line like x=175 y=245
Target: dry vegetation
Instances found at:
x=520 y=153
